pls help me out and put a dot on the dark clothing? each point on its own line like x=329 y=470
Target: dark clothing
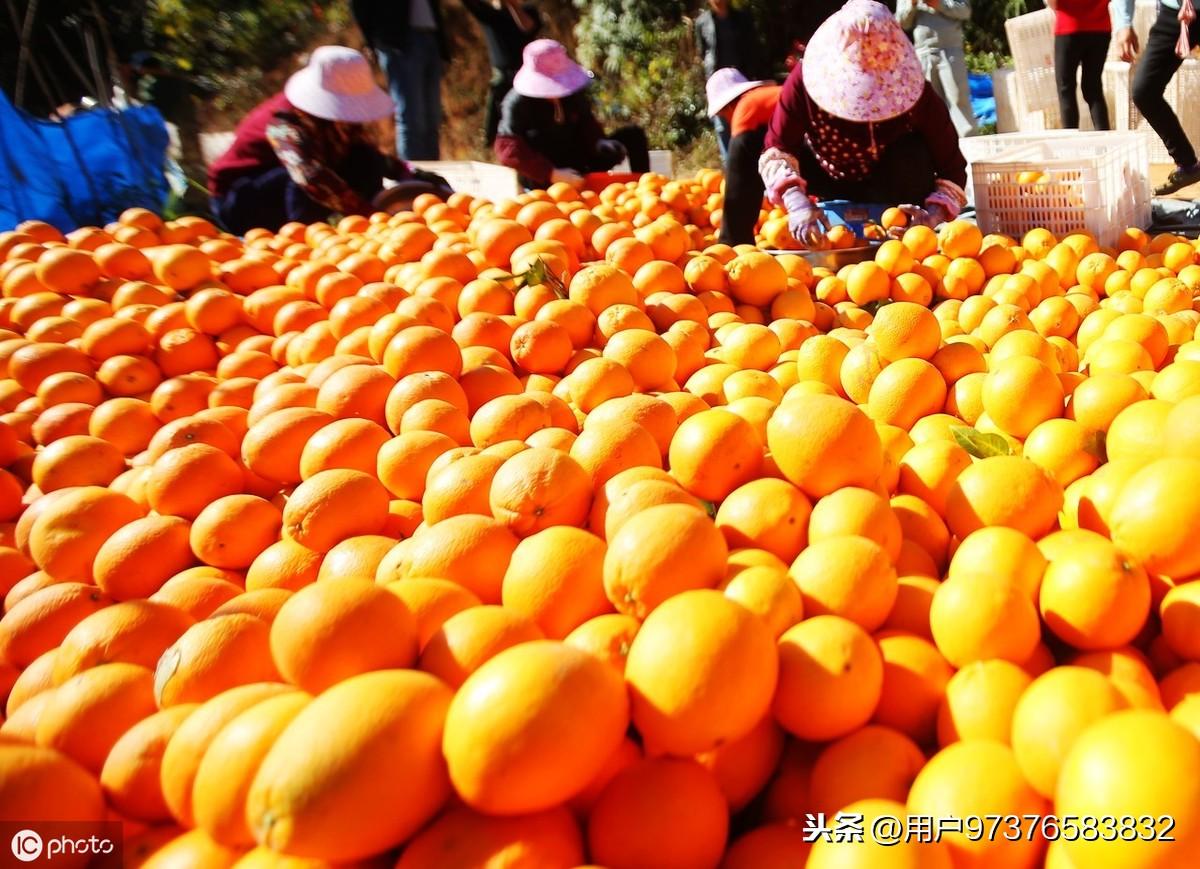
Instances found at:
x=385 y=23
x=268 y=200
x=743 y=187
x=505 y=42
x=499 y=87
x=729 y=41
x=505 y=39
x=537 y=136
x=1088 y=50
x=414 y=74
x=905 y=172
x=284 y=162
x=411 y=58
x=850 y=151
x=1157 y=65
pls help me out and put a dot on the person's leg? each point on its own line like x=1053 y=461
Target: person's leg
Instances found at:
x=416 y=108
x=743 y=188
x=392 y=62
x=500 y=86
x=268 y=200
x=637 y=150
x=1154 y=71
x=963 y=113
x=1095 y=52
x=433 y=97
x=1066 y=72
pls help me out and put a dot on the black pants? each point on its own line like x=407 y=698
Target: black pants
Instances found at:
x=903 y=175
x=1089 y=51
x=637 y=149
x=743 y=187
x=271 y=199
x=1158 y=64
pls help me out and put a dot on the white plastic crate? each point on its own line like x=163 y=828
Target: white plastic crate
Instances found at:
x=483 y=180
x=1031 y=39
x=980 y=148
x=1008 y=101
x=1182 y=91
x=1095 y=181
x=1031 y=36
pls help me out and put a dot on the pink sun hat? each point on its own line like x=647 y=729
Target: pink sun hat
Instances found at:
x=547 y=72
x=337 y=85
x=726 y=85
x=859 y=65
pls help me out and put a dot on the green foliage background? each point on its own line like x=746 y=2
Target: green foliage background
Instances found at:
x=643 y=53
x=234 y=44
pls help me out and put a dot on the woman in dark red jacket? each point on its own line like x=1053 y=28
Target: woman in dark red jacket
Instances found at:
x=856 y=120
x=1082 y=31
x=309 y=152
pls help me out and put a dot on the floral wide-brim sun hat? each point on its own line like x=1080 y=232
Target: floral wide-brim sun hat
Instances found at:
x=859 y=65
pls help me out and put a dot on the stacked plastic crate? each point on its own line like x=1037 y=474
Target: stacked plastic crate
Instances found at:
x=1060 y=180
x=1031 y=40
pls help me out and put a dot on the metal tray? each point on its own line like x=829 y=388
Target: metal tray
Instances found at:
x=833 y=259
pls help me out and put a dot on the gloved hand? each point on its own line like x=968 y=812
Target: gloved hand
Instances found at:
x=807 y=223
x=569 y=176
x=610 y=149
x=933 y=217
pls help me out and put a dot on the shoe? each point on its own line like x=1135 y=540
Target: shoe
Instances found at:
x=1178 y=179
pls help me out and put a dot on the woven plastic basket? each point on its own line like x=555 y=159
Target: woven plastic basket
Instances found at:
x=1098 y=182
x=1182 y=92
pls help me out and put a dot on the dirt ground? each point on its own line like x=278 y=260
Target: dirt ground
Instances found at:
x=1159 y=173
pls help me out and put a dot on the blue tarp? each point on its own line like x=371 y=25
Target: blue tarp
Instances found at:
x=983 y=99
x=83 y=171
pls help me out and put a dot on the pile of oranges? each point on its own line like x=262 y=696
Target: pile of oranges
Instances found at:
x=548 y=532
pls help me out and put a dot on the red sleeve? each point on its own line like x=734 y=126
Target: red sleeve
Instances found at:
x=790 y=121
x=515 y=153
x=932 y=120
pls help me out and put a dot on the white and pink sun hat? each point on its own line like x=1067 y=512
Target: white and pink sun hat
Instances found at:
x=726 y=85
x=548 y=73
x=859 y=65
x=337 y=85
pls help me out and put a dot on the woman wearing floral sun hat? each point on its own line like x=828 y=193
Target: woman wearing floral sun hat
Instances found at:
x=856 y=120
x=547 y=130
x=311 y=151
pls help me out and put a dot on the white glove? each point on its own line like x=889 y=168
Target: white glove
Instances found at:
x=933 y=217
x=568 y=176
x=808 y=224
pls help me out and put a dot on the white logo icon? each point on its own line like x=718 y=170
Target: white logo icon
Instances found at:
x=26 y=846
